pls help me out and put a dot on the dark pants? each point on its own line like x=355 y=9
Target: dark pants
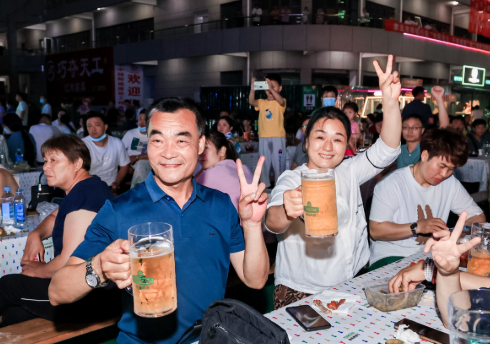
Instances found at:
x=23 y=298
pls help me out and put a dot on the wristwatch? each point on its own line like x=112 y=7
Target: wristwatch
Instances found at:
x=413 y=228
x=91 y=277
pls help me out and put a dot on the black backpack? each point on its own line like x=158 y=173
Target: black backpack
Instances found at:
x=229 y=321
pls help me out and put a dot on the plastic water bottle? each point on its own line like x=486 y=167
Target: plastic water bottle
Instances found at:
x=8 y=207
x=19 y=156
x=20 y=208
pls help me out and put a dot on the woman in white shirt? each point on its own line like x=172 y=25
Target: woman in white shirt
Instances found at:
x=307 y=265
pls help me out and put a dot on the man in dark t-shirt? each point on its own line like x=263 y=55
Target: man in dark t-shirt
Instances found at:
x=417 y=106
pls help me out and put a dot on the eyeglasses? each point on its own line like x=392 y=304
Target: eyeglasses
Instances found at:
x=411 y=128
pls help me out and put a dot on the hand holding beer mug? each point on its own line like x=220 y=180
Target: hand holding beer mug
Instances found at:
x=154 y=285
x=319 y=203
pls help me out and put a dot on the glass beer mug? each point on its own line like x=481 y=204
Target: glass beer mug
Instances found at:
x=479 y=256
x=154 y=286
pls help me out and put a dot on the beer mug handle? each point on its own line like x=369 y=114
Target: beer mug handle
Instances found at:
x=130 y=290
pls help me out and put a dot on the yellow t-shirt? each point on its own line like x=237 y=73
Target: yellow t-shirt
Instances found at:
x=271 y=118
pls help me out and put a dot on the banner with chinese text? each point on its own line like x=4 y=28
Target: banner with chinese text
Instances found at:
x=480 y=17
x=129 y=84
x=395 y=26
x=81 y=74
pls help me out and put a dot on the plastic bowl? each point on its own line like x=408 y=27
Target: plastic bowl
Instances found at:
x=391 y=302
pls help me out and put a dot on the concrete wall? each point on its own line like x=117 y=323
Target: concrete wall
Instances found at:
x=32 y=38
x=123 y=13
x=298 y=60
x=431 y=9
x=173 y=13
x=67 y=26
x=184 y=77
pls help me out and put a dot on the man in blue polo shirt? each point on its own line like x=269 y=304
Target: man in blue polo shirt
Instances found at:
x=206 y=229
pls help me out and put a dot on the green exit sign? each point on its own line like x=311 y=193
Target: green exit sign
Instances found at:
x=458 y=78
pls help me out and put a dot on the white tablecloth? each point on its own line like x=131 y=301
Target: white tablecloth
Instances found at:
x=364 y=324
x=27 y=180
x=12 y=248
x=476 y=170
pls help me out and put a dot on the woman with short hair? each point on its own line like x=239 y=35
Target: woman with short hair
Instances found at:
x=25 y=296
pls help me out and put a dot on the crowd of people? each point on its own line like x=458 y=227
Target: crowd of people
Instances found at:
x=187 y=171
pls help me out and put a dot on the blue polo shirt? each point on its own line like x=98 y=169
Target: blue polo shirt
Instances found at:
x=406 y=158
x=206 y=231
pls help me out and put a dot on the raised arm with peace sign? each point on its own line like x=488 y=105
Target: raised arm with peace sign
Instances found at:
x=390 y=85
x=253 y=201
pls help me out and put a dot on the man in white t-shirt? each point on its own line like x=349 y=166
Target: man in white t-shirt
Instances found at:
x=414 y=202
x=22 y=109
x=41 y=133
x=136 y=143
x=45 y=106
x=257 y=15
x=107 y=152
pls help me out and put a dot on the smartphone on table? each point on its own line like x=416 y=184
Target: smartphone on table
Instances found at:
x=308 y=318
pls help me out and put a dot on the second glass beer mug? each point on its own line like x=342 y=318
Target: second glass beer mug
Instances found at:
x=154 y=285
x=479 y=256
x=319 y=202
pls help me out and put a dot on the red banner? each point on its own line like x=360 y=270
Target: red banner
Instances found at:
x=480 y=5
x=82 y=74
x=392 y=25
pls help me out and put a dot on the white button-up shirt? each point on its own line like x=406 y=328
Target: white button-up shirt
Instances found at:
x=309 y=264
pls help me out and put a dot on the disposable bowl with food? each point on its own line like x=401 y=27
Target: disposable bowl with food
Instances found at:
x=391 y=302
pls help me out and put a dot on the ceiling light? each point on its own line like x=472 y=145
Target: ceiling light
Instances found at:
x=454 y=3
x=99 y=8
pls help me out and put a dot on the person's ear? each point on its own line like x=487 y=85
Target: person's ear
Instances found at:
x=202 y=142
x=106 y=127
x=424 y=156
x=78 y=164
x=423 y=130
x=222 y=152
x=280 y=89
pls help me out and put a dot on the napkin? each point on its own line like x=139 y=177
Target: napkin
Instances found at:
x=328 y=296
x=12 y=229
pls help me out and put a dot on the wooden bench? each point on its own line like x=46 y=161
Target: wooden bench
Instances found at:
x=41 y=331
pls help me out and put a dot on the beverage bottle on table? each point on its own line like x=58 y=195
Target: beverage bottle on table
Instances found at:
x=19 y=156
x=8 y=207
x=20 y=208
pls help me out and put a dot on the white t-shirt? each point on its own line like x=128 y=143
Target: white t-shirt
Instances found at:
x=399 y=198
x=309 y=264
x=106 y=160
x=64 y=129
x=46 y=109
x=256 y=13
x=41 y=133
x=23 y=107
x=135 y=142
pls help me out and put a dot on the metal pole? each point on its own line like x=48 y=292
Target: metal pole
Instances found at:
x=401 y=10
x=451 y=30
x=359 y=75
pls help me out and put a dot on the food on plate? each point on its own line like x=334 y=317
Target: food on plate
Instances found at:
x=323 y=309
x=335 y=304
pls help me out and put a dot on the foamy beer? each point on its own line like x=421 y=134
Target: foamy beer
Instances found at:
x=154 y=286
x=319 y=202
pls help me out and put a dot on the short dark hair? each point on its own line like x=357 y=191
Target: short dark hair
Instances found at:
x=329 y=112
x=415 y=116
x=93 y=114
x=227 y=119
x=351 y=105
x=379 y=117
x=13 y=122
x=329 y=88
x=219 y=140
x=143 y=111
x=172 y=105
x=274 y=77
x=447 y=143
x=22 y=95
x=417 y=90
x=71 y=146
x=371 y=117
x=457 y=118
x=45 y=115
x=62 y=110
x=478 y=121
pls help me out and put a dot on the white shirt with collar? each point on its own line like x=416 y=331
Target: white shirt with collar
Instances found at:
x=41 y=133
x=310 y=265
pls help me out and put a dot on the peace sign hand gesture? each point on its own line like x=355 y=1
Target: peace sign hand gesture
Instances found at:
x=446 y=252
x=253 y=201
x=389 y=82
